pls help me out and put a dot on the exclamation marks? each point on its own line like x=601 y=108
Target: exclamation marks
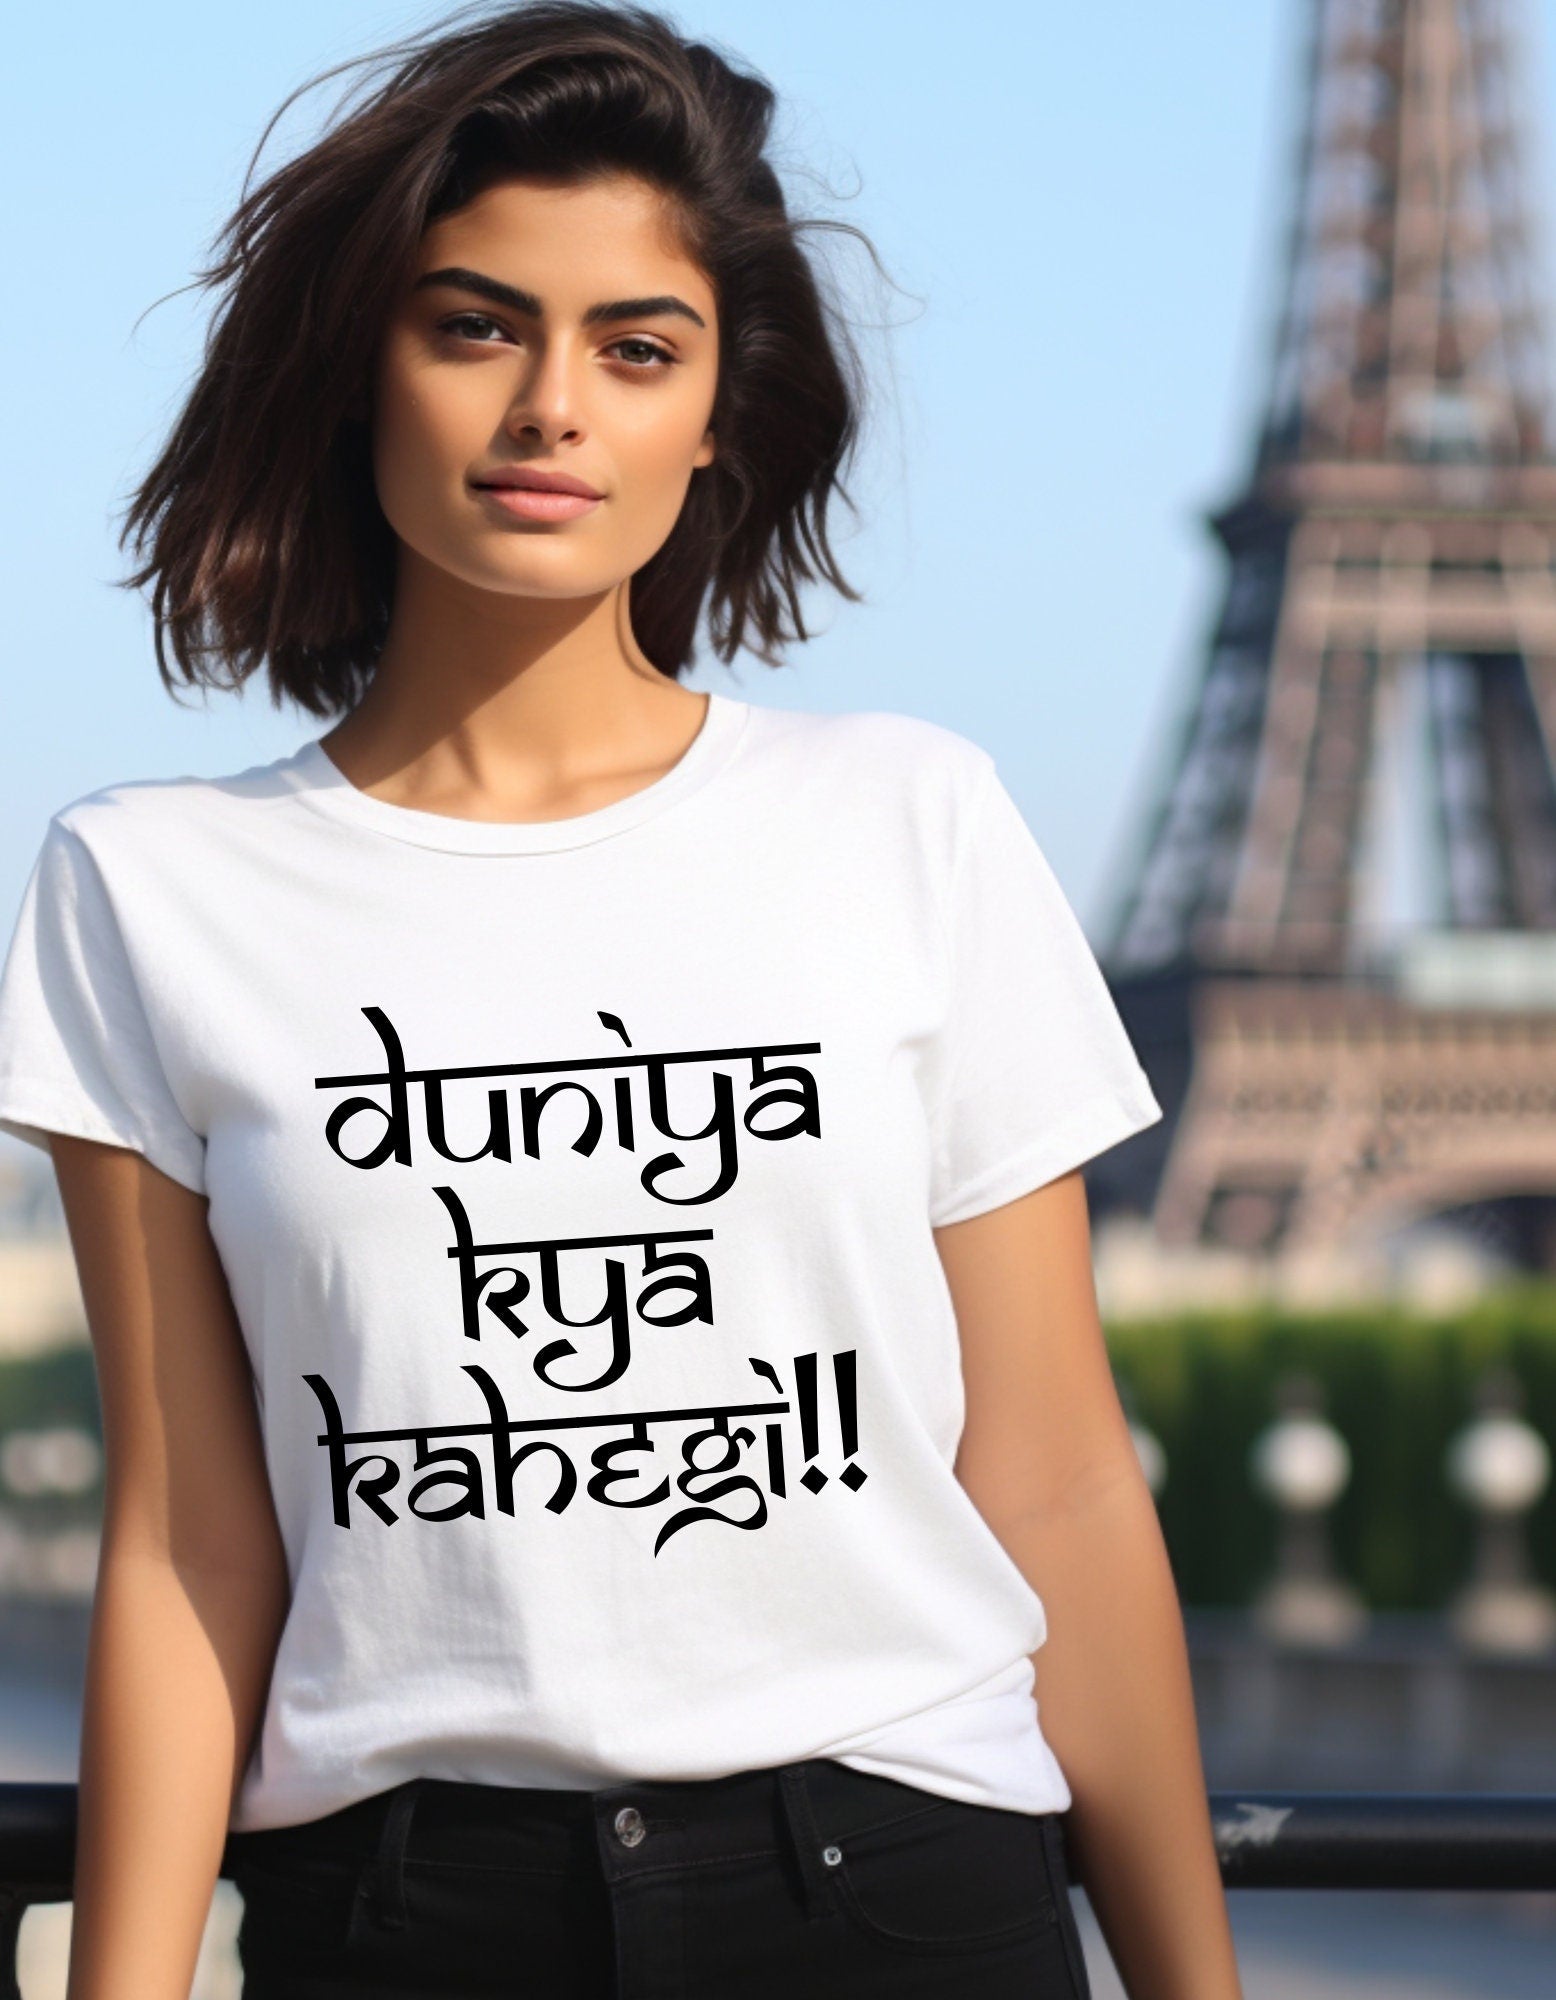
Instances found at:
x=845 y=1374
x=807 y=1400
x=843 y=1370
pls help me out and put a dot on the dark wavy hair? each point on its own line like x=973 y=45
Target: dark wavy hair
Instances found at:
x=259 y=523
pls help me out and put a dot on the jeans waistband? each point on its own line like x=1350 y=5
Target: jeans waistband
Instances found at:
x=795 y=1810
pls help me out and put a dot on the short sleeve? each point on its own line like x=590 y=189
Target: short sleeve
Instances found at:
x=1035 y=1071
x=77 y=1051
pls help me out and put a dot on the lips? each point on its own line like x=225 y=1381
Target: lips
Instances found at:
x=529 y=480
x=539 y=503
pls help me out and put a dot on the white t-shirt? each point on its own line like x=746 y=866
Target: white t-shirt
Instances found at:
x=575 y=1181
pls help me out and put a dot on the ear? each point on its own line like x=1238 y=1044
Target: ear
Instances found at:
x=707 y=451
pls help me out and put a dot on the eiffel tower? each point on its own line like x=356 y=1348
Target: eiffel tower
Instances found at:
x=1336 y=951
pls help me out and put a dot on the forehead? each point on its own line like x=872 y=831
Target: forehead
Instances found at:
x=566 y=239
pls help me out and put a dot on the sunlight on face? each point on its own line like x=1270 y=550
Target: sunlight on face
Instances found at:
x=471 y=379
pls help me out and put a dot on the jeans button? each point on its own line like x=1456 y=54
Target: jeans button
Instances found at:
x=629 y=1826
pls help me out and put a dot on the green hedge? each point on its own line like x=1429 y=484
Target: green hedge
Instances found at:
x=38 y=1391
x=1397 y=1386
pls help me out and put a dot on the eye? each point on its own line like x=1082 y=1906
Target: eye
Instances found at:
x=468 y=325
x=660 y=354
x=467 y=319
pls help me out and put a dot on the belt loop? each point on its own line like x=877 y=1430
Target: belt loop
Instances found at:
x=801 y=1822
x=380 y=1896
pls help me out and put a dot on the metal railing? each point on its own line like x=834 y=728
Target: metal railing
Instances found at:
x=1264 y=1839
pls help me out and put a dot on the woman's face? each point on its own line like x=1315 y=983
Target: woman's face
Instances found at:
x=550 y=327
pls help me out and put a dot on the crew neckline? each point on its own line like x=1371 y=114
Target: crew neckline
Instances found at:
x=322 y=785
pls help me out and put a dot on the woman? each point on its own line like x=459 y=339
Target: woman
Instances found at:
x=576 y=1182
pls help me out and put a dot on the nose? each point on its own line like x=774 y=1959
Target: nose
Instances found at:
x=546 y=403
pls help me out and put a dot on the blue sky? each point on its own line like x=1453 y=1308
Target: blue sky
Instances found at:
x=1080 y=206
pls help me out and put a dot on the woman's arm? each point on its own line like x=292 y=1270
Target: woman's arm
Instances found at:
x=191 y=1586
x=1047 y=1458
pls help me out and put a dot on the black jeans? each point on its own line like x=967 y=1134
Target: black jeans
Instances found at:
x=806 y=1878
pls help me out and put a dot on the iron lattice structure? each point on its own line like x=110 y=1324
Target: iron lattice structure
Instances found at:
x=1337 y=951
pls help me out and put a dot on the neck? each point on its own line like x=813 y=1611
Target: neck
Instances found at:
x=496 y=705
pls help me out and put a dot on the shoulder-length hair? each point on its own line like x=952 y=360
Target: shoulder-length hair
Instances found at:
x=259 y=524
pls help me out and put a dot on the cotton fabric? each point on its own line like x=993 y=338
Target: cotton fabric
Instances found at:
x=575 y=1183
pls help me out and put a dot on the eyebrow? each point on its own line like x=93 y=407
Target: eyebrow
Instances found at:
x=518 y=300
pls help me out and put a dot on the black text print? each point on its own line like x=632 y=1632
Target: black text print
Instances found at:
x=577 y=1303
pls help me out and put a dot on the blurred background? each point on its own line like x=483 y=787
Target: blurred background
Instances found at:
x=1211 y=485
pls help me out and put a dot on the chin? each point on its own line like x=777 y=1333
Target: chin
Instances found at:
x=556 y=580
